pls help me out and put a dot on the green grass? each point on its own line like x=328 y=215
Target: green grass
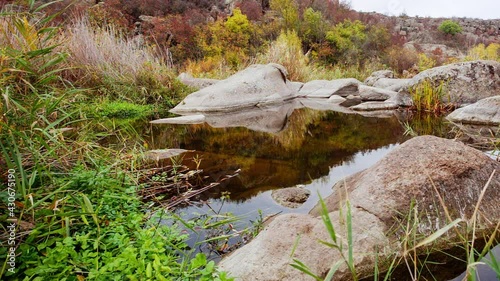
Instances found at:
x=77 y=213
x=429 y=97
x=416 y=247
x=121 y=109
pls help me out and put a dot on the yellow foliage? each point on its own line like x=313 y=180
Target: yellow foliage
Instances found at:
x=425 y=62
x=287 y=51
x=481 y=52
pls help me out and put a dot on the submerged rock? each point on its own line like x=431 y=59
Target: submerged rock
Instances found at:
x=159 y=154
x=256 y=85
x=291 y=197
x=375 y=105
x=380 y=198
x=465 y=82
x=483 y=112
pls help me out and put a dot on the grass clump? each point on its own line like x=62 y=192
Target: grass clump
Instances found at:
x=114 y=66
x=77 y=215
x=287 y=51
x=428 y=97
x=123 y=110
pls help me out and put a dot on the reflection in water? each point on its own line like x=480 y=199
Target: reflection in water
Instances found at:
x=304 y=150
x=283 y=147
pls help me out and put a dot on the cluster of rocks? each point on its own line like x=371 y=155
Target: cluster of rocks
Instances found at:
x=423 y=171
x=263 y=85
x=420 y=29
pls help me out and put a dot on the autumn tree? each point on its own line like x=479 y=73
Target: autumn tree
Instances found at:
x=313 y=27
x=288 y=10
x=347 y=38
x=251 y=8
x=229 y=40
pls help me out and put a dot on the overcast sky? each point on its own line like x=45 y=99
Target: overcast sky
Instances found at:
x=485 y=9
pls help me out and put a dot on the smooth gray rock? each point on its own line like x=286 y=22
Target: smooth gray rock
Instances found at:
x=483 y=112
x=256 y=85
x=327 y=88
x=374 y=105
x=465 y=82
x=391 y=84
x=402 y=99
x=267 y=257
x=198 y=83
x=368 y=93
x=290 y=197
x=375 y=76
x=296 y=86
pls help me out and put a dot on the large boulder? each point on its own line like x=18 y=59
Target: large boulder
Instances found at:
x=375 y=76
x=392 y=84
x=409 y=172
x=380 y=199
x=483 y=112
x=255 y=86
x=328 y=88
x=198 y=83
x=368 y=93
x=465 y=82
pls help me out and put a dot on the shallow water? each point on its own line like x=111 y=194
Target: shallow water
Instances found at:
x=315 y=149
x=281 y=147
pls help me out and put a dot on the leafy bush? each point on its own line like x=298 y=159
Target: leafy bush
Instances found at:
x=400 y=58
x=288 y=10
x=450 y=27
x=481 y=52
x=347 y=38
x=425 y=62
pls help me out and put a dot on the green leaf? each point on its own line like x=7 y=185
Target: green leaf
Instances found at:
x=332 y=270
x=438 y=233
x=304 y=268
x=326 y=219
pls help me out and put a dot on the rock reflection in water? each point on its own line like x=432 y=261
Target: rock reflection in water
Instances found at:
x=276 y=147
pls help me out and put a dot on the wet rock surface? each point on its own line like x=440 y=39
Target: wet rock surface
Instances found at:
x=291 y=197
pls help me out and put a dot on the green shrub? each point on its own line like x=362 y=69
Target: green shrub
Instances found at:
x=450 y=27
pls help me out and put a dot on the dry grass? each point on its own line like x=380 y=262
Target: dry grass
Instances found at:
x=97 y=53
x=287 y=51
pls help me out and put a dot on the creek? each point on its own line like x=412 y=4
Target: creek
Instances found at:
x=275 y=148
